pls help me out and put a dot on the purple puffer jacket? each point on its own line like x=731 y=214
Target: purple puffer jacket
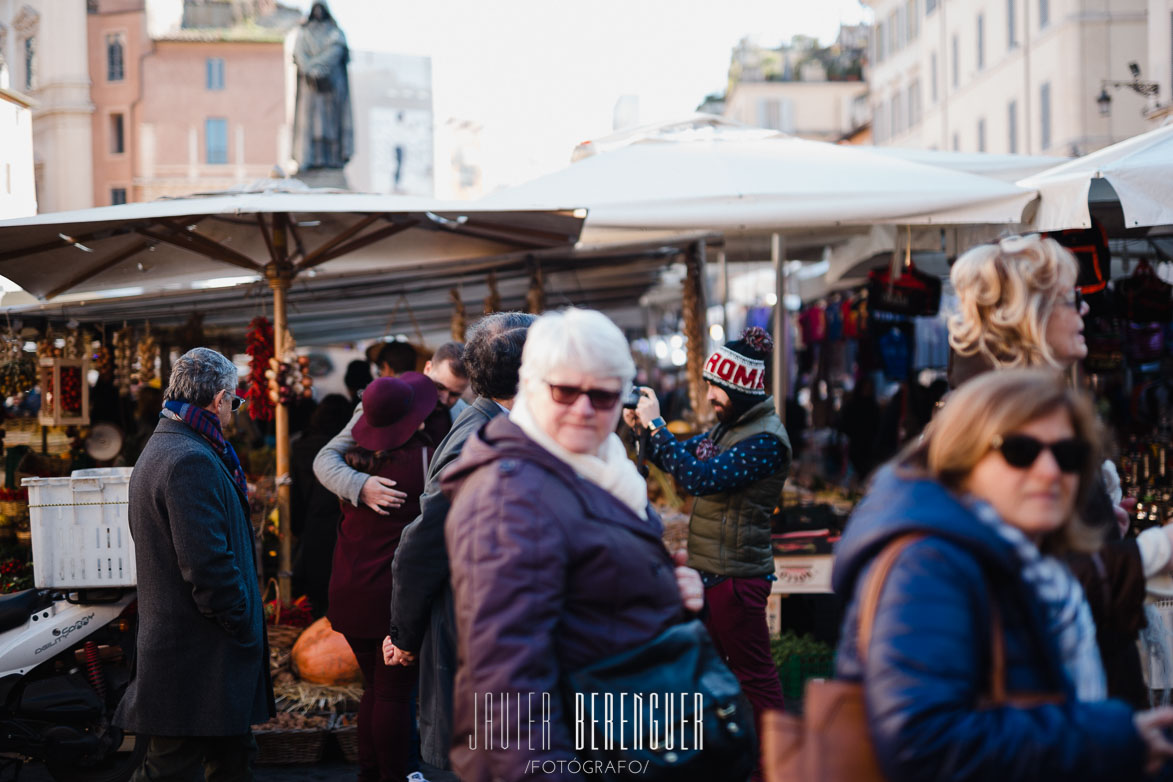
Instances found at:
x=550 y=573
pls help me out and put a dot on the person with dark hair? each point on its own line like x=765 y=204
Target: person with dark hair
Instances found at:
x=358 y=376
x=201 y=667
x=314 y=511
x=736 y=471
x=422 y=618
x=395 y=358
x=446 y=371
x=389 y=441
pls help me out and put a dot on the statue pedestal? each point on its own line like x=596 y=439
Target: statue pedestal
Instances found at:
x=324 y=177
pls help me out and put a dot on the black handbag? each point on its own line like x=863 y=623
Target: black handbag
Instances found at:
x=669 y=709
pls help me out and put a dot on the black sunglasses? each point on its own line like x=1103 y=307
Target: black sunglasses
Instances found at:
x=1021 y=450
x=237 y=401
x=1076 y=301
x=599 y=399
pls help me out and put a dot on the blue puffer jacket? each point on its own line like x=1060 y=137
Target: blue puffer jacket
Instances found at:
x=929 y=661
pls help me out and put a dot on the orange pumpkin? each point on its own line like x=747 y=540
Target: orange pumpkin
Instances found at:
x=322 y=656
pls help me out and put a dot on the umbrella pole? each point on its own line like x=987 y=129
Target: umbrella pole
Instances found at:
x=279 y=281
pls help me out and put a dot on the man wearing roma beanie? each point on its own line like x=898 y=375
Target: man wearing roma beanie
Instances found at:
x=736 y=472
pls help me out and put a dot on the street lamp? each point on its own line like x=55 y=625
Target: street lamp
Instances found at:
x=1147 y=88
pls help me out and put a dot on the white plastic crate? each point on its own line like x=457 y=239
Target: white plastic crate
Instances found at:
x=80 y=533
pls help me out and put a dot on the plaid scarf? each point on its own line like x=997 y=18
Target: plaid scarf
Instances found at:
x=207 y=425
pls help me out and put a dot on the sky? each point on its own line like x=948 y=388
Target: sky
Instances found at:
x=543 y=75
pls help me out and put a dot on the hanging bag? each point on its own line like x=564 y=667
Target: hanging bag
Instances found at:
x=831 y=741
x=680 y=664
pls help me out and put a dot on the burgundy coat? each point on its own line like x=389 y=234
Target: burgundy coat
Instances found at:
x=360 y=577
x=549 y=573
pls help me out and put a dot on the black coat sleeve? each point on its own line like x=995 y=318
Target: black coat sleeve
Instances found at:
x=419 y=570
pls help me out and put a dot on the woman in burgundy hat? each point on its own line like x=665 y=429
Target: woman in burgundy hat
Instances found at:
x=390 y=443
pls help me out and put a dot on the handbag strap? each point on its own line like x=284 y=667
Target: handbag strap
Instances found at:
x=870 y=604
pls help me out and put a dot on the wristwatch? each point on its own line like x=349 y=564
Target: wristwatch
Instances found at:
x=657 y=423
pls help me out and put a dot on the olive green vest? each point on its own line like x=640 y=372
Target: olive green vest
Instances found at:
x=729 y=533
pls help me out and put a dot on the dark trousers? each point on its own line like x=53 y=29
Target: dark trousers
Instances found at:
x=737 y=623
x=384 y=713
x=189 y=758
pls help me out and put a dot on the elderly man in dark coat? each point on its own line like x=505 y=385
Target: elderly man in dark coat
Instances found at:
x=201 y=674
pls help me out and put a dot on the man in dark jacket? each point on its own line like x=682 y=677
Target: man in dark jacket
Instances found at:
x=736 y=471
x=201 y=675
x=422 y=619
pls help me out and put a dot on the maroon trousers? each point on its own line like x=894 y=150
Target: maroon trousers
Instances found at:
x=737 y=623
x=384 y=713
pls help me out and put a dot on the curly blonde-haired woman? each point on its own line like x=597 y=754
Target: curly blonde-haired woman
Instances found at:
x=1018 y=307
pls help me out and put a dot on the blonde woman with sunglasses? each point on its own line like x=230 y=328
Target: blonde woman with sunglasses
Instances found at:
x=991 y=491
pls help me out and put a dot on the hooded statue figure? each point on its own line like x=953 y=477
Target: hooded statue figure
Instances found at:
x=323 y=133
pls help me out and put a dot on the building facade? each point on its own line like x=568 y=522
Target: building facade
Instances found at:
x=1007 y=76
x=799 y=88
x=18 y=194
x=43 y=56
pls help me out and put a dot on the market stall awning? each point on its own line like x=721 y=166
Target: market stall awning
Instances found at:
x=1139 y=170
x=169 y=245
x=768 y=184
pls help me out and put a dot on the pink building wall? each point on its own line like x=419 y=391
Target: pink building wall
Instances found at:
x=126 y=19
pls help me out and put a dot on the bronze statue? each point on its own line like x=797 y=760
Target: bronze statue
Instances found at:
x=323 y=132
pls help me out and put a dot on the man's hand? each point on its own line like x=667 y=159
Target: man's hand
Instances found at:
x=648 y=408
x=378 y=494
x=393 y=655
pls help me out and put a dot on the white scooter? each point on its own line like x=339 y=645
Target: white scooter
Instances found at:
x=64 y=663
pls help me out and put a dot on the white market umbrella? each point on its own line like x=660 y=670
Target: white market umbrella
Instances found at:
x=773 y=184
x=1139 y=169
x=278 y=233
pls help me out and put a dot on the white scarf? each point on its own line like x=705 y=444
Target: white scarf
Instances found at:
x=610 y=469
x=1069 y=619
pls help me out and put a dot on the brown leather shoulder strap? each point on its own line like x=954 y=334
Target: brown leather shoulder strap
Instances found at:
x=870 y=601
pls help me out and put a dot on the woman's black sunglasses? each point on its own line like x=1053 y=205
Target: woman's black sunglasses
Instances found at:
x=599 y=399
x=1021 y=450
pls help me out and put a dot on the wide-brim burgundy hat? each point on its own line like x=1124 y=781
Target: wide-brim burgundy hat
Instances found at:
x=393 y=409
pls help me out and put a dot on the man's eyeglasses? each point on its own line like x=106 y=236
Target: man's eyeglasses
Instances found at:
x=600 y=399
x=237 y=401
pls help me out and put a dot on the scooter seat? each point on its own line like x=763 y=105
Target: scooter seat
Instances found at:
x=16 y=608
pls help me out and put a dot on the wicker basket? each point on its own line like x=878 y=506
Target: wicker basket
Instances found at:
x=290 y=747
x=347 y=738
x=282 y=636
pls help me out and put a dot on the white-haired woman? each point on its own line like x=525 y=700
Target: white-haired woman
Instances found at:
x=556 y=556
x=1019 y=308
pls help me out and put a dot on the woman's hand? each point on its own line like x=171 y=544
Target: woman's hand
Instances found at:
x=688 y=581
x=1151 y=725
x=388 y=651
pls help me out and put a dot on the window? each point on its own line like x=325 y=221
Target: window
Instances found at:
x=216 y=141
x=956 y=142
x=1045 y=115
x=117 y=196
x=1011 y=36
x=930 y=6
x=981 y=135
x=1012 y=122
x=117 y=135
x=1044 y=13
x=893 y=33
x=913 y=21
x=898 y=118
x=933 y=77
x=30 y=62
x=215 y=73
x=880 y=42
x=115 y=59
x=981 y=41
x=914 y=104
x=956 y=62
